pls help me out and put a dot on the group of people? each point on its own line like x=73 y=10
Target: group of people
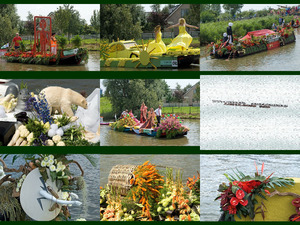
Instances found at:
x=283 y=24
x=147 y=118
x=181 y=42
x=284 y=11
x=227 y=37
x=53 y=43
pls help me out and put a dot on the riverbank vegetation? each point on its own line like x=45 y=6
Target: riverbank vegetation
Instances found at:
x=213 y=31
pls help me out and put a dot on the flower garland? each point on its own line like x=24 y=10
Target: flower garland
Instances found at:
x=239 y=196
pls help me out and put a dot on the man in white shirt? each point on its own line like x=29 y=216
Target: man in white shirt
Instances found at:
x=158 y=114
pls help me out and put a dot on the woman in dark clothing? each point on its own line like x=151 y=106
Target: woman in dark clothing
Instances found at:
x=229 y=33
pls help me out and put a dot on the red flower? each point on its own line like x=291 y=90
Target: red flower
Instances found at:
x=240 y=194
x=296 y=202
x=247 y=186
x=267 y=191
x=234 y=201
x=232 y=209
x=243 y=202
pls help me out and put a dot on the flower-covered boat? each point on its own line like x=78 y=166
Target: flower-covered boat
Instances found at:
x=169 y=127
x=253 y=42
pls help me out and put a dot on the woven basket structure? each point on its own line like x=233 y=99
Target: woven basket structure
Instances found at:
x=120 y=176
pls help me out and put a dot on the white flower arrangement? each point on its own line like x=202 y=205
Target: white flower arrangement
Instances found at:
x=20 y=182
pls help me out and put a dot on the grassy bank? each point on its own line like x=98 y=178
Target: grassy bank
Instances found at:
x=211 y=32
x=183 y=112
x=89 y=44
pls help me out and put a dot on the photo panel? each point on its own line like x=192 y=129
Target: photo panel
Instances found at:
x=150 y=187
x=143 y=37
x=150 y=112
x=249 y=37
x=49 y=112
x=249 y=112
x=50 y=37
x=49 y=187
x=249 y=187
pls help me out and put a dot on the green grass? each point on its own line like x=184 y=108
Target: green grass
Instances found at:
x=181 y=110
x=90 y=44
x=105 y=105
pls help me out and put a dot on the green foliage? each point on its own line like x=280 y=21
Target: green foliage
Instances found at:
x=207 y=16
x=95 y=20
x=64 y=120
x=76 y=41
x=233 y=8
x=116 y=21
x=62 y=41
x=23 y=85
x=131 y=93
x=6 y=29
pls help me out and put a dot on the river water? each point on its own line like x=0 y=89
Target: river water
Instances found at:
x=285 y=58
x=90 y=207
x=109 y=137
x=193 y=67
x=250 y=128
x=188 y=164
x=87 y=85
x=214 y=166
x=93 y=64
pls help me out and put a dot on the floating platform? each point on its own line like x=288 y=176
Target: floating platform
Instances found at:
x=172 y=59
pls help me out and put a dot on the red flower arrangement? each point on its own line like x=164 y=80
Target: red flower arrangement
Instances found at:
x=239 y=197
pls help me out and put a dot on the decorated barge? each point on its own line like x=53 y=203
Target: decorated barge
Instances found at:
x=254 y=42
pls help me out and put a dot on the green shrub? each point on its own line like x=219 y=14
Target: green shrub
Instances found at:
x=76 y=41
x=62 y=41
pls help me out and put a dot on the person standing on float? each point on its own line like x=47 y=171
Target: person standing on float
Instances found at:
x=53 y=44
x=229 y=33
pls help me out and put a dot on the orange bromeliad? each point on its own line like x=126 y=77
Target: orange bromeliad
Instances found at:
x=146 y=184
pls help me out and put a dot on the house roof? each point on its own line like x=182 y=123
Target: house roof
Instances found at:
x=173 y=11
x=191 y=88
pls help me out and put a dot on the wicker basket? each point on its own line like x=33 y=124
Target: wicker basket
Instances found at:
x=120 y=176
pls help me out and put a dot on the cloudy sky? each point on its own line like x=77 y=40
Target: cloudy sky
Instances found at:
x=85 y=10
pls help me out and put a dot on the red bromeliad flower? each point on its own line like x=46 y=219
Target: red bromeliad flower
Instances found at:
x=240 y=194
x=232 y=209
x=247 y=186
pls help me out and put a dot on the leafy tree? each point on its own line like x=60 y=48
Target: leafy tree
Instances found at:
x=116 y=21
x=155 y=8
x=67 y=20
x=29 y=25
x=6 y=30
x=10 y=11
x=95 y=20
x=129 y=94
x=193 y=16
x=216 y=8
x=178 y=94
x=197 y=93
x=186 y=88
x=167 y=8
x=233 y=8
x=207 y=16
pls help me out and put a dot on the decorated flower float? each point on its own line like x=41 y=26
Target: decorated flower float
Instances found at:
x=54 y=117
x=259 y=197
x=141 y=193
x=170 y=127
x=41 y=189
x=39 y=54
x=130 y=55
x=253 y=42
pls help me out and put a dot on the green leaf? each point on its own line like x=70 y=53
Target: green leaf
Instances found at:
x=53 y=175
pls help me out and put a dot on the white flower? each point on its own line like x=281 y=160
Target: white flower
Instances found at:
x=19 y=185
x=63 y=173
x=61 y=143
x=63 y=167
x=81 y=219
x=43 y=163
x=59 y=163
x=64 y=195
x=55 y=161
x=48 y=164
x=30 y=137
x=49 y=142
x=51 y=161
x=17 y=189
x=56 y=139
x=21 y=180
x=46 y=159
x=51 y=157
x=24 y=176
x=52 y=168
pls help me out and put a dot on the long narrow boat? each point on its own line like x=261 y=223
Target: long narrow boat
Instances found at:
x=253 y=42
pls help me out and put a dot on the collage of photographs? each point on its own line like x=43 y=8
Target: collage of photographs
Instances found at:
x=110 y=140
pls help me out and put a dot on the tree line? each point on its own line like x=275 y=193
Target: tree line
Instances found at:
x=67 y=21
x=129 y=21
x=131 y=93
x=212 y=12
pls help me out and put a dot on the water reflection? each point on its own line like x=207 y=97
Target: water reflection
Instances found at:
x=109 y=137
